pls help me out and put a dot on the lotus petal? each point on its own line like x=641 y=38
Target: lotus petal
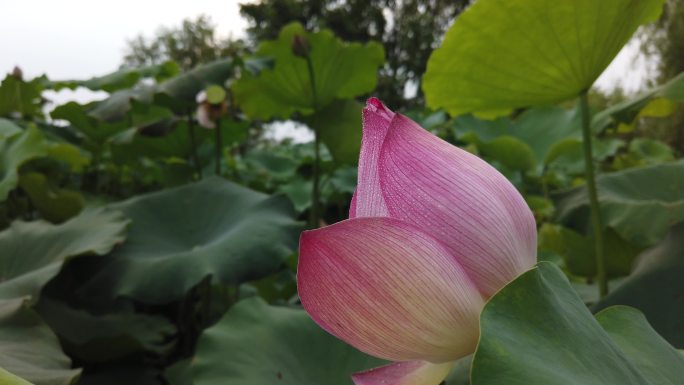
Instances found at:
x=459 y=199
x=388 y=289
x=368 y=200
x=405 y=373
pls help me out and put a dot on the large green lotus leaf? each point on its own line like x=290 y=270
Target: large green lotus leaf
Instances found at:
x=628 y=110
x=505 y=54
x=537 y=330
x=341 y=71
x=339 y=126
x=7 y=378
x=639 y=204
x=179 y=236
x=15 y=151
x=644 y=347
x=257 y=344
x=28 y=348
x=655 y=287
x=31 y=253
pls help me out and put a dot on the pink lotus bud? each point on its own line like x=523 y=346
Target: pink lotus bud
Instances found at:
x=434 y=232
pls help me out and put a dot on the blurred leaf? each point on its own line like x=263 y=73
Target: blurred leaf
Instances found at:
x=8 y=129
x=177 y=93
x=256 y=344
x=534 y=136
x=18 y=96
x=500 y=55
x=31 y=253
x=567 y=156
x=182 y=235
x=93 y=129
x=578 y=250
x=101 y=338
x=628 y=110
x=56 y=205
x=655 y=287
x=341 y=71
x=299 y=191
x=339 y=126
x=69 y=154
x=121 y=79
x=116 y=107
x=28 y=348
x=536 y=330
x=15 y=151
x=186 y=86
x=626 y=198
x=651 y=151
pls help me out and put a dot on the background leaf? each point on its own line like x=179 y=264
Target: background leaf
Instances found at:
x=341 y=70
x=256 y=344
x=179 y=236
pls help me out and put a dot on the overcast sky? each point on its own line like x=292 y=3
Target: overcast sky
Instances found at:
x=68 y=39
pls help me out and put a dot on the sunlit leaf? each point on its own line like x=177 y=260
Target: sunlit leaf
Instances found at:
x=505 y=54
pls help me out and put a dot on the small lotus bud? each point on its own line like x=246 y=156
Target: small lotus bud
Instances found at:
x=300 y=46
x=17 y=73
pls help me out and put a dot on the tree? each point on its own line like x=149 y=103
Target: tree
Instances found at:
x=192 y=43
x=409 y=30
x=664 y=41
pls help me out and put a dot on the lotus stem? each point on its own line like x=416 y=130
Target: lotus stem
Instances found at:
x=317 y=156
x=193 y=144
x=593 y=196
x=219 y=146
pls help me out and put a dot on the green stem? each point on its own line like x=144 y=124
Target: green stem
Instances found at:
x=193 y=144
x=219 y=146
x=593 y=197
x=315 y=195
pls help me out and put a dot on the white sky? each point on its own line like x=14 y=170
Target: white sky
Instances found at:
x=83 y=38
x=78 y=39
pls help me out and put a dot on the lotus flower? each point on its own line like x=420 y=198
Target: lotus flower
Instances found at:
x=433 y=232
